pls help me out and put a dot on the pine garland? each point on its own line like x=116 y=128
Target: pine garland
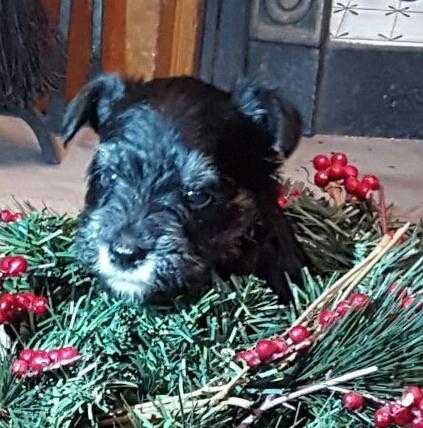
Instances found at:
x=175 y=365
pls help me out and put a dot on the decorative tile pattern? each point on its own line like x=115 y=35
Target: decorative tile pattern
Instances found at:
x=392 y=22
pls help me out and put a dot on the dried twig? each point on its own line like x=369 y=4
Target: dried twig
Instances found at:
x=363 y=394
x=356 y=274
x=271 y=403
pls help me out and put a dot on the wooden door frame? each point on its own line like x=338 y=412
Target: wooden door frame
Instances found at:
x=176 y=39
x=179 y=37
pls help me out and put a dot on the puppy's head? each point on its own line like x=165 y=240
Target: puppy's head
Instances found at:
x=178 y=180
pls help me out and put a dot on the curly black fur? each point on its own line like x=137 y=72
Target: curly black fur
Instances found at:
x=182 y=185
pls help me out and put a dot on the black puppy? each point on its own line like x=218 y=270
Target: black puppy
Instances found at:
x=183 y=184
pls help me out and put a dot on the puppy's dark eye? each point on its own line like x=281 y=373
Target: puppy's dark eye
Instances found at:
x=198 y=200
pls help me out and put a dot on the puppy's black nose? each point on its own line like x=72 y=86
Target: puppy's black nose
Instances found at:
x=126 y=250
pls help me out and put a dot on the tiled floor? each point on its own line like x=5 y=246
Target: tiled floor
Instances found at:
x=61 y=187
x=386 y=22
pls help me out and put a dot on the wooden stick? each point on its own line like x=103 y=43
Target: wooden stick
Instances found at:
x=191 y=400
x=345 y=278
x=356 y=274
x=397 y=236
x=363 y=394
x=269 y=404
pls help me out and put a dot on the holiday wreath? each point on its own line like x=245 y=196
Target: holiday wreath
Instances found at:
x=348 y=351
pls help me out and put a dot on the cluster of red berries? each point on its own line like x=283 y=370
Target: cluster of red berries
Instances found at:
x=355 y=301
x=7 y=216
x=12 y=266
x=337 y=169
x=32 y=362
x=14 y=306
x=408 y=412
x=271 y=349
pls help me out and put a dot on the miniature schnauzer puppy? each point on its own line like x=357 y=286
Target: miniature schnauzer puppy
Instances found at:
x=183 y=185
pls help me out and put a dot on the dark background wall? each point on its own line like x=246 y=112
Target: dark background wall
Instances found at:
x=339 y=86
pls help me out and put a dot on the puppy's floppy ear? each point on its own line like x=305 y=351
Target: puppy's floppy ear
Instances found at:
x=93 y=104
x=281 y=121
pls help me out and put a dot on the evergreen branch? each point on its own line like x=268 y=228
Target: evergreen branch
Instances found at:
x=134 y=356
x=270 y=403
x=348 y=281
x=192 y=400
x=393 y=241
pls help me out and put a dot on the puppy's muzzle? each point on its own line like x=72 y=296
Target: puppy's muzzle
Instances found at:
x=126 y=251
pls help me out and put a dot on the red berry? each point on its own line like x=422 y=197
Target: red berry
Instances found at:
x=351 y=185
x=15 y=314
x=6 y=216
x=13 y=265
x=419 y=405
x=411 y=395
x=296 y=193
x=363 y=191
x=358 y=300
x=336 y=172
x=327 y=318
x=17 y=217
x=250 y=357
x=39 y=305
x=304 y=349
x=350 y=171
x=372 y=181
x=321 y=162
x=265 y=349
x=281 y=346
x=382 y=417
x=321 y=179
x=25 y=300
x=353 y=401
x=401 y=415
x=39 y=361
x=40 y=357
x=3 y=317
x=4 y=263
x=54 y=355
x=339 y=159
x=17 y=266
x=282 y=201
x=27 y=354
x=7 y=302
x=68 y=352
x=406 y=301
x=299 y=333
x=19 y=368
x=342 y=308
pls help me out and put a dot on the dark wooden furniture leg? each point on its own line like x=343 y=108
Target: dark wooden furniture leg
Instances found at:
x=50 y=149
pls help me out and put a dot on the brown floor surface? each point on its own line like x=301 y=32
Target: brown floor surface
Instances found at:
x=23 y=175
